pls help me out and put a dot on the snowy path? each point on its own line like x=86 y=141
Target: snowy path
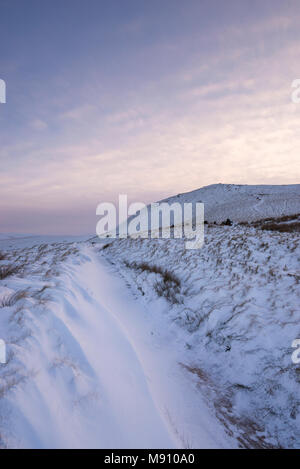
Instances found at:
x=127 y=416
x=108 y=375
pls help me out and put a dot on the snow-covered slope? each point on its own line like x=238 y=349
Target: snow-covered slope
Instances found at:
x=243 y=202
x=140 y=342
x=234 y=308
x=87 y=366
x=10 y=241
x=236 y=302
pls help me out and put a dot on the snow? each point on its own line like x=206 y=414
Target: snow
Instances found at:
x=141 y=343
x=9 y=241
x=88 y=368
x=237 y=310
x=243 y=202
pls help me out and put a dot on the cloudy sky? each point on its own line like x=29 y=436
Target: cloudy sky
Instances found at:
x=145 y=98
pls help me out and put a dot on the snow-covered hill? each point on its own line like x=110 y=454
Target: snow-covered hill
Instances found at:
x=243 y=202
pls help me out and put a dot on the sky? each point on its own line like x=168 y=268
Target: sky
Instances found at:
x=145 y=98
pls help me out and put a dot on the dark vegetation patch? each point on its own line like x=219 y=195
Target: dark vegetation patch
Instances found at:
x=170 y=285
x=2 y=256
x=283 y=228
x=284 y=224
x=11 y=300
x=228 y=222
x=8 y=270
x=106 y=246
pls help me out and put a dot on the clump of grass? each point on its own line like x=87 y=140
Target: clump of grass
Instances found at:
x=168 y=290
x=2 y=256
x=145 y=267
x=11 y=383
x=278 y=223
x=69 y=252
x=42 y=247
x=11 y=300
x=170 y=285
x=41 y=291
x=284 y=228
x=8 y=270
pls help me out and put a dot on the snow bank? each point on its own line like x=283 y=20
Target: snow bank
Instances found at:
x=237 y=310
x=86 y=368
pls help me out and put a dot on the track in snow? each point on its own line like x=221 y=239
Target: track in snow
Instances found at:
x=106 y=372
